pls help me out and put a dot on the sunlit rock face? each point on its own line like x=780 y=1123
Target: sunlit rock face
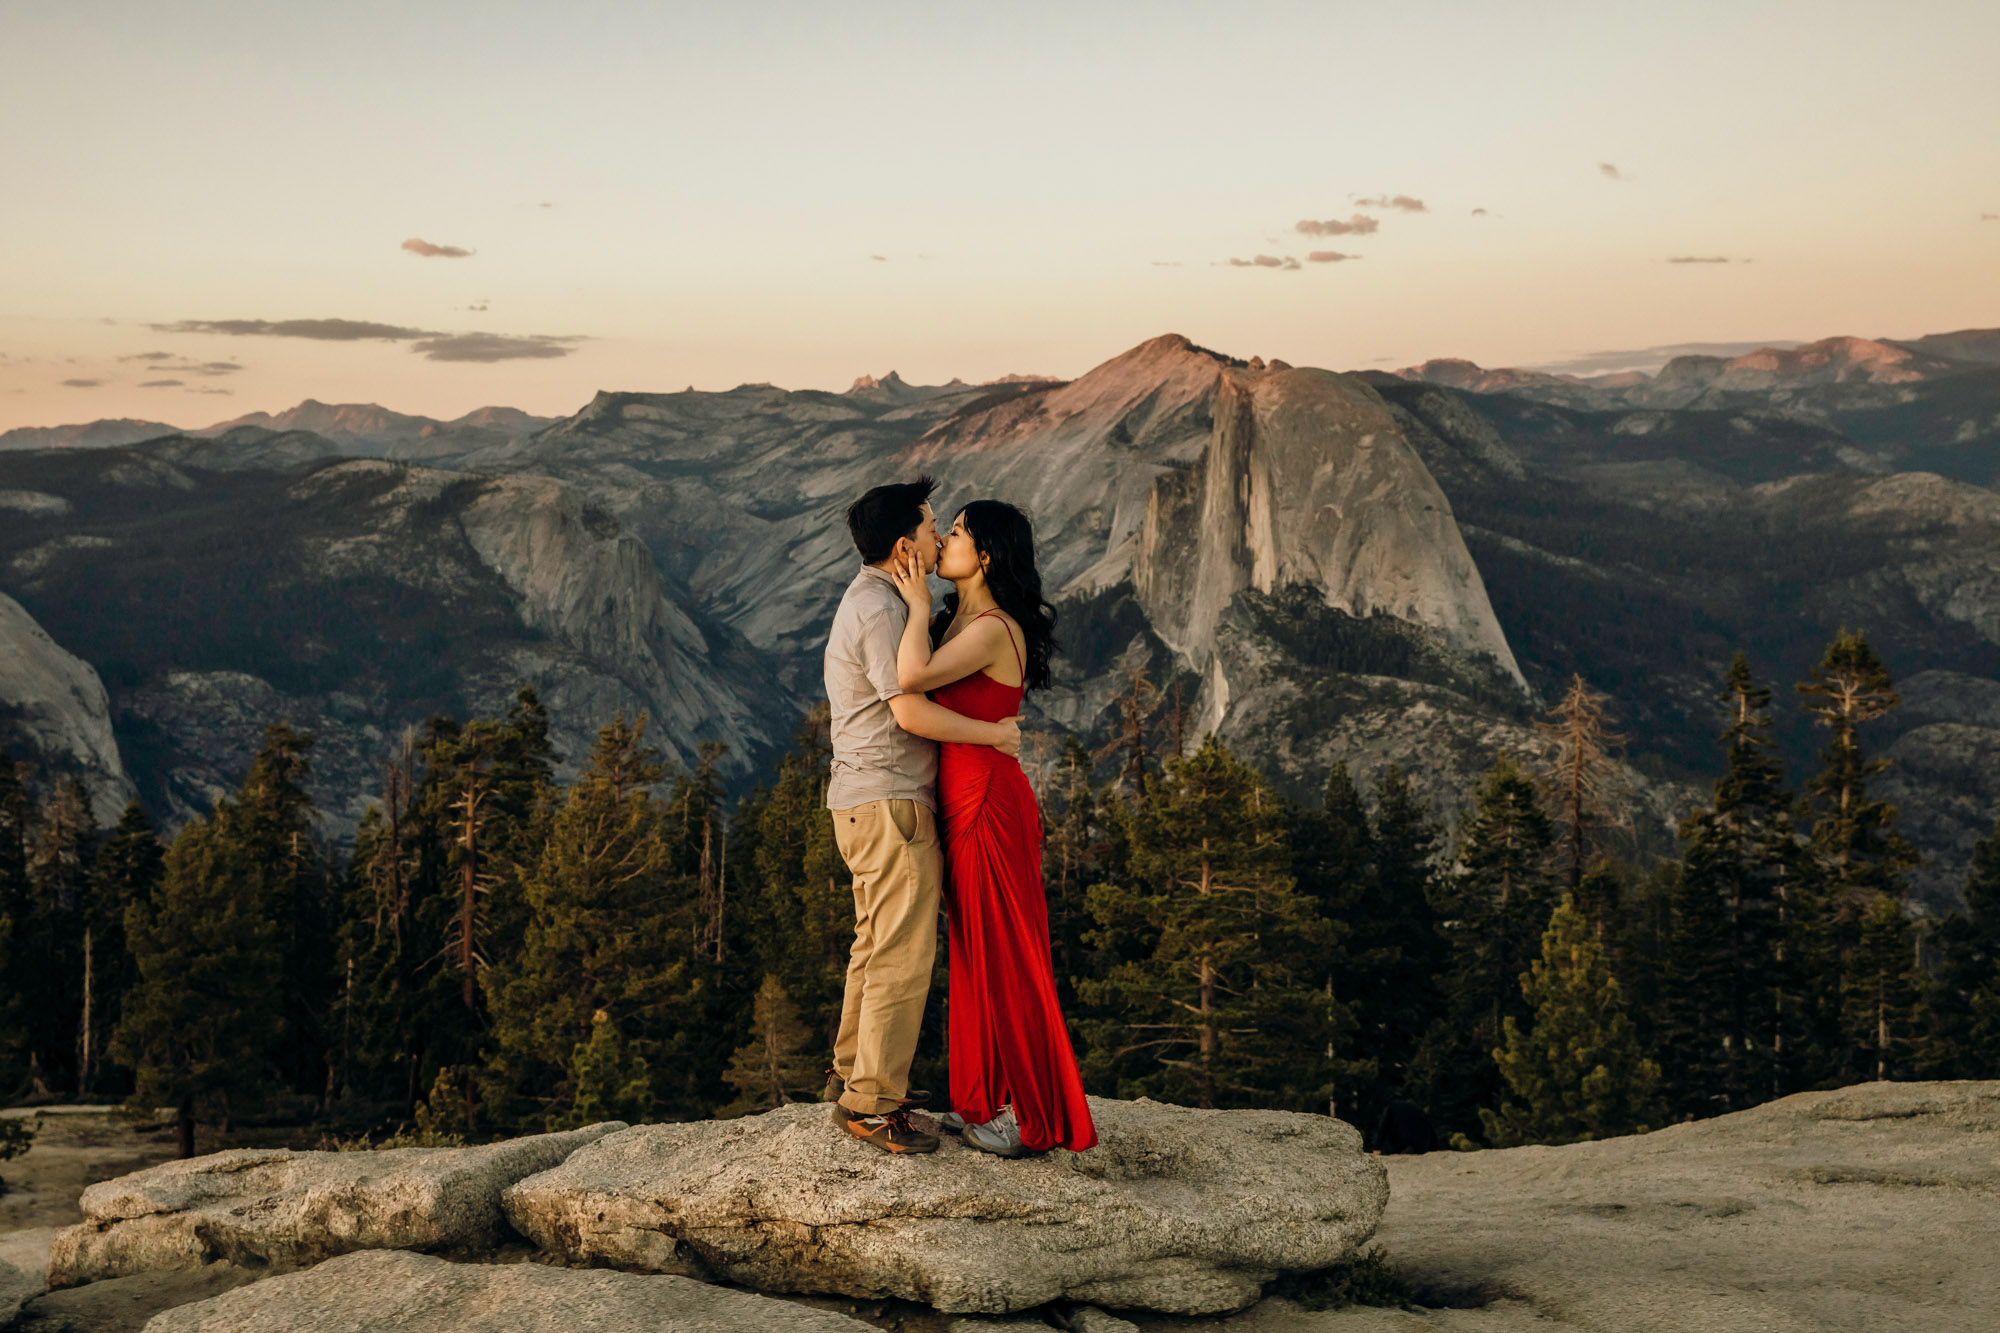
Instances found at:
x=1307 y=481
x=54 y=713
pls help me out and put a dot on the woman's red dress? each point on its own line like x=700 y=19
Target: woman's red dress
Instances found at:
x=1008 y=1042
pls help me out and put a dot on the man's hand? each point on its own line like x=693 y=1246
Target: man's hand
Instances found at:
x=1009 y=743
x=914 y=584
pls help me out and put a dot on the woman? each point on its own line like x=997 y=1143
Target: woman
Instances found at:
x=1014 y=1082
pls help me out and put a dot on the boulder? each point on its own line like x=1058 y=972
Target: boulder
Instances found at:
x=284 y=1209
x=417 y=1293
x=24 y=1262
x=1176 y=1210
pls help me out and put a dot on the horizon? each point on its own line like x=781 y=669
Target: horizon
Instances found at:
x=508 y=206
x=1645 y=360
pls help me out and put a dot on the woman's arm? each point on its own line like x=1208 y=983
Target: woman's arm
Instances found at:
x=917 y=667
x=933 y=721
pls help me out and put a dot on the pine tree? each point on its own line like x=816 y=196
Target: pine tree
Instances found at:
x=613 y=1080
x=1580 y=781
x=725 y=973
x=1855 y=838
x=1964 y=997
x=1857 y=857
x=1079 y=848
x=19 y=926
x=58 y=872
x=781 y=1063
x=1225 y=1007
x=1577 y=1073
x=381 y=1038
x=201 y=1028
x=603 y=934
x=1405 y=845
x=1383 y=967
x=1492 y=905
x=1879 y=993
x=127 y=871
x=434 y=896
x=269 y=826
x=1725 y=985
x=1693 y=1039
x=803 y=899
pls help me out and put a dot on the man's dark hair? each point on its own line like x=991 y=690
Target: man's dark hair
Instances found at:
x=886 y=515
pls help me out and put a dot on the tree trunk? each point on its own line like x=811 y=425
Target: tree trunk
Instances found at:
x=84 y=1052
x=184 y=1124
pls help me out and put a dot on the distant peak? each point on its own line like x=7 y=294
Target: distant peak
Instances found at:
x=1175 y=346
x=866 y=382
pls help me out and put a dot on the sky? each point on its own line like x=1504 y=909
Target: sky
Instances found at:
x=215 y=208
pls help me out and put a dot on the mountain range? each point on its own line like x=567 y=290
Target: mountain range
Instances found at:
x=1368 y=568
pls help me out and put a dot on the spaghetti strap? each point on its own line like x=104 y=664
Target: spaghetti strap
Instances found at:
x=1019 y=664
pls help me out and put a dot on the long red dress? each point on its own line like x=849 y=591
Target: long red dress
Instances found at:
x=1007 y=1040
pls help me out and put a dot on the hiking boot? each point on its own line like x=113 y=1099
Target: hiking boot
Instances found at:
x=1000 y=1136
x=892 y=1132
x=835 y=1085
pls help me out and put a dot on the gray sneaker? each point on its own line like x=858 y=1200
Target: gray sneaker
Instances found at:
x=951 y=1122
x=1000 y=1136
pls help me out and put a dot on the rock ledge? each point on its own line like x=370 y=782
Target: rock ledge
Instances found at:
x=286 y=1209
x=1176 y=1210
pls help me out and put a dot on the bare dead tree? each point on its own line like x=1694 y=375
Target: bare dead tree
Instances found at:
x=1136 y=707
x=1582 y=782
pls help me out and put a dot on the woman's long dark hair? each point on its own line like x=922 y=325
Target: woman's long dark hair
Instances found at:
x=1002 y=534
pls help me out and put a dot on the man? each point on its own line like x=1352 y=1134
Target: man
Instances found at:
x=883 y=797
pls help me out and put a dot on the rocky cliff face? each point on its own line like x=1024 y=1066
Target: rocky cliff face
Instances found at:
x=232 y=585
x=55 y=715
x=1307 y=481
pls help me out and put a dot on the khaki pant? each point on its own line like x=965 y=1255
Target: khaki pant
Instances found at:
x=892 y=849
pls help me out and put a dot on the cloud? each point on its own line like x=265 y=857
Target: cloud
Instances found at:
x=148 y=356
x=1651 y=358
x=545 y=205
x=494 y=347
x=1401 y=202
x=1989 y=217
x=81 y=384
x=434 y=344
x=200 y=389
x=476 y=306
x=417 y=245
x=164 y=364
x=1164 y=263
x=324 y=330
x=1700 y=259
x=1358 y=225
x=1328 y=257
x=1613 y=172
x=1265 y=261
x=161 y=384
x=880 y=259
x=1479 y=212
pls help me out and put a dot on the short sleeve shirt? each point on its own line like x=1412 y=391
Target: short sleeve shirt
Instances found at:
x=874 y=759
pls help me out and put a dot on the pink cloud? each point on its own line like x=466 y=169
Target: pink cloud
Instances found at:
x=417 y=245
x=1358 y=225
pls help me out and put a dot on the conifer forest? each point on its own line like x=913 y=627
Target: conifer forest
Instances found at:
x=500 y=953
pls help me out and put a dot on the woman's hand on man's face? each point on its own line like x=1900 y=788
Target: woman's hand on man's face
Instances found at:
x=911 y=580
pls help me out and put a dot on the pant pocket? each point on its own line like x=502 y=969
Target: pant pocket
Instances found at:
x=904 y=815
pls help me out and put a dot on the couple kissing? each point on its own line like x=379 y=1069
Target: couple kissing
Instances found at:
x=930 y=808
